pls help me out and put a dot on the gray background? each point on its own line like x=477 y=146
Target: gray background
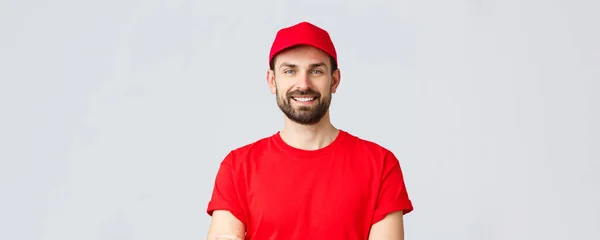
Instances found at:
x=116 y=114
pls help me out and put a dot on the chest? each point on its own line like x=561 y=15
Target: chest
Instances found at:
x=288 y=197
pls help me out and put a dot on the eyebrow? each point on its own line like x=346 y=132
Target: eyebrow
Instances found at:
x=313 y=65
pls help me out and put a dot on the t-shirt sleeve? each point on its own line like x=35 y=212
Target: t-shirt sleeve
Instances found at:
x=227 y=194
x=393 y=195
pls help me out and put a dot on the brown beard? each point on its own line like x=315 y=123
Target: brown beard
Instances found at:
x=305 y=115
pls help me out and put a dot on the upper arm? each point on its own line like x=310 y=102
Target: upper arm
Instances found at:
x=391 y=227
x=223 y=222
x=392 y=204
x=392 y=195
x=227 y=204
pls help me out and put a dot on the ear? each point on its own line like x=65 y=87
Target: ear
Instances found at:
x=271 y=81
x=335 y=80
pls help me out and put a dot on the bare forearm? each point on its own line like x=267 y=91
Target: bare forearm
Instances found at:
x=224 y=236
x=225 y=226
x=389 y=228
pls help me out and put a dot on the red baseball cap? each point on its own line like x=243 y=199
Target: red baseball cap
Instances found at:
x=303 y=33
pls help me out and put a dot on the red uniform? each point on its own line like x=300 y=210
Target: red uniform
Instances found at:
x=336 y=192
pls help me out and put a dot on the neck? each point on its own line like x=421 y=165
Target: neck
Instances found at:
x=309 y=137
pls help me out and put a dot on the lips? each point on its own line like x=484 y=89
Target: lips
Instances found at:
x=304 y=99
x=306 y=96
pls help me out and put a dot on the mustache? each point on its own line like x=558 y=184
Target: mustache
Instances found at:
x=303 y=92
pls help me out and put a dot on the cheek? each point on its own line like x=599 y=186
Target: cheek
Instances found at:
x=281 y=93
x=277 y=88
x=282 y=89
x=325 y=88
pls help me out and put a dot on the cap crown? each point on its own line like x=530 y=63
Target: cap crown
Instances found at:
x=303 y=33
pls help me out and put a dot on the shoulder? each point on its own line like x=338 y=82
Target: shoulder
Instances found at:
x=372 y=154
x=366 y=146
x=244 y=152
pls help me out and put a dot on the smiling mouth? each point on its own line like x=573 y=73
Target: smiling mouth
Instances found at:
x=304 y=99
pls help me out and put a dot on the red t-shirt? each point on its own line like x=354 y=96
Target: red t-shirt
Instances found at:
x=336 y=192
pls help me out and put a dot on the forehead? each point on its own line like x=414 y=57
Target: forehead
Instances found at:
x=302 y=55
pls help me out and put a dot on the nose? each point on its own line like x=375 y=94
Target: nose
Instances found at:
x=304 y=81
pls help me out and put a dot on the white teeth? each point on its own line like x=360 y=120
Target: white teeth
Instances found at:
x=303 y=99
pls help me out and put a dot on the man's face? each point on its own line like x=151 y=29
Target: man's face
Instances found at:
x=303 y=83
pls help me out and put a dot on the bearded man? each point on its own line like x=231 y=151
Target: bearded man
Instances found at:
x=309 y=180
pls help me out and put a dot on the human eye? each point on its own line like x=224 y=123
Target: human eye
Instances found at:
x=288 y=71
x=317 y=71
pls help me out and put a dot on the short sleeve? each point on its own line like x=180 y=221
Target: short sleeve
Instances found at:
x=226 y=193
x=393 y=195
